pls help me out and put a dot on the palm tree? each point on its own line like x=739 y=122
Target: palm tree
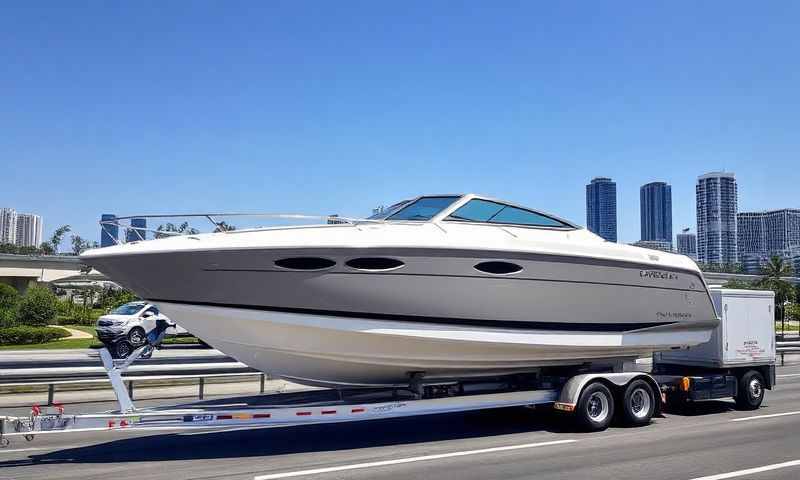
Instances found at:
x=223 y=226
x=182 y=229
x=772 y=279
x=58 y=236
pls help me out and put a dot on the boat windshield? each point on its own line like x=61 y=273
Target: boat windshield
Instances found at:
x=421 y=209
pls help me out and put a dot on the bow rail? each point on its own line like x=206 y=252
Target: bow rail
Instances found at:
x=139 y=231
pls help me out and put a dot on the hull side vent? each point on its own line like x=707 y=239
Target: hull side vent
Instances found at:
x=374 y=264
x=498 y=268
x=305 y=263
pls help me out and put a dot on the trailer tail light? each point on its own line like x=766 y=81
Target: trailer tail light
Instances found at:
x=565 y=407
x=686 y=382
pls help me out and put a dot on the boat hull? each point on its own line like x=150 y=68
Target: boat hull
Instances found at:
x=338 y=351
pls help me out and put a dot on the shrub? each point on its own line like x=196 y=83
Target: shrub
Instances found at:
x=26 y=335
x=38 y=307
x=9 y=298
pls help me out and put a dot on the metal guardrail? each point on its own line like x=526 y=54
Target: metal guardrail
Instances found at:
x=785 y=347
x=130 y=380
x=29 y=376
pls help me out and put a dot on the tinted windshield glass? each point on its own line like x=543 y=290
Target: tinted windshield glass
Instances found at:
x=423 y=209
x=127 y=309
x=492 y=212
x=388 y=211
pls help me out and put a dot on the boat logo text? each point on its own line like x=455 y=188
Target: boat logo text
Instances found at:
x=658 y=274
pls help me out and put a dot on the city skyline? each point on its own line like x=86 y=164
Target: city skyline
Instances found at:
x=22 y=229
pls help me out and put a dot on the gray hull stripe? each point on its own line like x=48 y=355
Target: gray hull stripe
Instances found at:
x=503 y=324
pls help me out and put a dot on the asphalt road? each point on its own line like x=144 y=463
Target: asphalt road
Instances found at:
x=511 y=443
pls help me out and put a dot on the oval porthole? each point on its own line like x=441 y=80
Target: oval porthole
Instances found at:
x=374 y=264
x=498 y=268
x=305 y=263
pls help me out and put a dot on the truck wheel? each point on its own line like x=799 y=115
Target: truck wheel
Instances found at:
x=595 y=408
x=137 y=336
x=638 y=404
x=750 y=393
x=123 y=348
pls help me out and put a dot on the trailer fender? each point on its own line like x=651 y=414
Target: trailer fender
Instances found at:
x=571 y=391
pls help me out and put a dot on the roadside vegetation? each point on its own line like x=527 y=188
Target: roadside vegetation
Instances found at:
x=787 y=296
x=32 y=320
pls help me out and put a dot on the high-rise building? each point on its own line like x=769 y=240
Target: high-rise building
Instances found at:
x=687 y=244
x=109 y=230
x=654 y=245
x=655 y=200
x=601 y=208
x=137 y=231
x=8 y=225
x=716 y=218
x=29 y=230
x=764 y=234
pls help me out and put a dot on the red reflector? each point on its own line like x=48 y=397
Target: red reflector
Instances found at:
x=262 y=415
x=328 y=412
x=358 y=410
x=303 y=413
x=111 y=424
x=224 y=417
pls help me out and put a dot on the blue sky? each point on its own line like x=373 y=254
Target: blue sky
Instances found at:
x=323 y=107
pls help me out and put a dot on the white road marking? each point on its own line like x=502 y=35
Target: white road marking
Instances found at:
x=759 y=417
x=398 y=461
x=21 y=450
x=750 y=471
x=788 y=375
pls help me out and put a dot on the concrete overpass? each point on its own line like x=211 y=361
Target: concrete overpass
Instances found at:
x=21 y=271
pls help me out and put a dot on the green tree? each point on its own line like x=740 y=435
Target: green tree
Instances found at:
x=79 y=245
x=58 y=237
x=38 y=307
x=224 y=227
x=735 y=283
x=9 y=298
x=170 y=229
x=772 y=279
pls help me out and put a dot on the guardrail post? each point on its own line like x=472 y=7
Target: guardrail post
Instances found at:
x=130 y=389
x=51 y=392
x=201 y=387
x=263 y=379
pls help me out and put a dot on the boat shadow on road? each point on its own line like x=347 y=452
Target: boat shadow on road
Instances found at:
x=264 y=442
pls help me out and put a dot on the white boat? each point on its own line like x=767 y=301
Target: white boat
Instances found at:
x=442 y=286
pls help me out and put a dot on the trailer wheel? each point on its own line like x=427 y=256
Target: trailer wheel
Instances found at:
x=750 y=393
x=595 y=408
x=122 y=349
x=638 y=403
x=137 y=336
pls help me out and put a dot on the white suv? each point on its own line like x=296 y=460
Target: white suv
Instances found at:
x=133 y=321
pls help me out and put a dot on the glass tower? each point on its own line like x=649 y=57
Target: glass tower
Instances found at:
x=716 y=218
x=601 y=208
x=656 y=212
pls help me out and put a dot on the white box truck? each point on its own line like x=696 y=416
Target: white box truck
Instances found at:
x=738 y=361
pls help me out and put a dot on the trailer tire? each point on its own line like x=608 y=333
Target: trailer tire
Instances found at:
x=137 y=336
x=750 y=391
x=595 y=408
x=638 y=404
x=122 y=349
